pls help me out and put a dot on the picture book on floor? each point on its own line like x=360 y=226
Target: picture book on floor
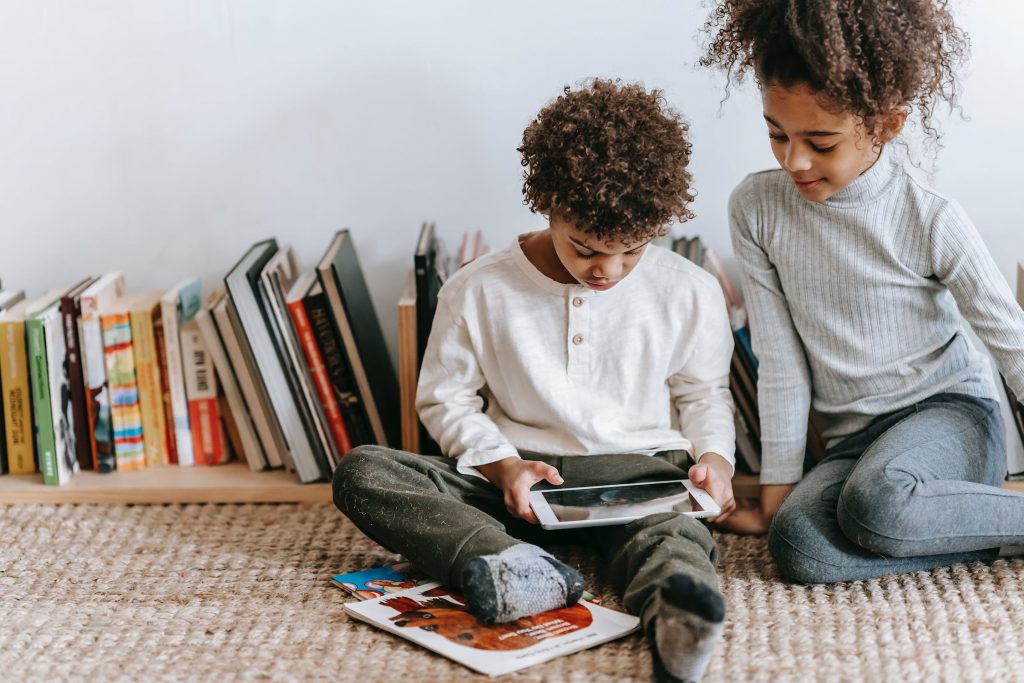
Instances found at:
x=403 y=601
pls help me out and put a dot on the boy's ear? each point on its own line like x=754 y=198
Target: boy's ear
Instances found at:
x=892 y=124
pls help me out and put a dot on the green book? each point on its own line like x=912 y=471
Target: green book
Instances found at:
x=39 y=379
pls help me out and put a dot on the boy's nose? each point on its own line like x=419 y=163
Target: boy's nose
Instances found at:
x=610 y=268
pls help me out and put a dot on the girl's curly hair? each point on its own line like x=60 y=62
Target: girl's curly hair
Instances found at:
x=866 y=57
x=611 y=158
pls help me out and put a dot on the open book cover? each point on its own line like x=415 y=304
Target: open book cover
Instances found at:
x=436 y=618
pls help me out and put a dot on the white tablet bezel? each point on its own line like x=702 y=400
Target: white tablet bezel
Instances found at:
x=547 y=518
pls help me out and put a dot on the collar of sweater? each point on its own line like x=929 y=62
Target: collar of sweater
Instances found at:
x=870 y=184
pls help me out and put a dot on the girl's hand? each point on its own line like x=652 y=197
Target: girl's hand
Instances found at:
x=515 y=477
x=754 y=518
x=713 y=473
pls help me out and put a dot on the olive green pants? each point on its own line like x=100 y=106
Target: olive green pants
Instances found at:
x=420 y=507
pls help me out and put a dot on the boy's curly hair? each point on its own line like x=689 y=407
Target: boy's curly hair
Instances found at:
x=611 y=158
x=866 y=57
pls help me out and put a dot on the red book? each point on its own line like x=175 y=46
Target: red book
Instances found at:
x=304 y=333
x=170 y=443
x=208 y=442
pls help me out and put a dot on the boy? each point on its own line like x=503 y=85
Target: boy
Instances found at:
x=581 y=354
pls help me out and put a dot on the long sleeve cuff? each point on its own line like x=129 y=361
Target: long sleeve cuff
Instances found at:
x=471 y=459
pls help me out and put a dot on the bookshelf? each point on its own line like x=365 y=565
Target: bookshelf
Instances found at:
x=230 y=483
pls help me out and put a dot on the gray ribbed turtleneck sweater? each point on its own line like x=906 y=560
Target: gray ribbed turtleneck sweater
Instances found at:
x=853 y=304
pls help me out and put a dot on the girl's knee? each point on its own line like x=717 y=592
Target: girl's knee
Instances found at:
x=798 y=550
x=873 y=513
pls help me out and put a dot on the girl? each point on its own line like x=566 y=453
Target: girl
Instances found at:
x=854 y=272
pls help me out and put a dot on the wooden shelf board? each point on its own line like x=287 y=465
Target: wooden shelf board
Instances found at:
x=231 y=483
x=748 y=486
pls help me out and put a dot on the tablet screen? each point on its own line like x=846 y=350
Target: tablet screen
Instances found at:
x=625 y=500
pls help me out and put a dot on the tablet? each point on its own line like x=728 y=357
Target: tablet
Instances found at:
x=619 y=503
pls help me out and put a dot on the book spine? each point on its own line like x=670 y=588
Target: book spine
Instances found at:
x=147 y=375
x=353 y=412
x=17 y=394
x=170 y=443
x=176 y=385
x=4 y=468
x=208 y=442
x=70 y=312
x=129 y=442
x=101 y=428
x=64 y=453
x=41 y=411
x=304 y=333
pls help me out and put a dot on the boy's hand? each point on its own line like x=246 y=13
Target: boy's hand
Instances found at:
x=755 y=518
x=515 y=477
x=713 y=473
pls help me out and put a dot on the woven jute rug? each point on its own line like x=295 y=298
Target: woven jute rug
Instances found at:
x=241 y=592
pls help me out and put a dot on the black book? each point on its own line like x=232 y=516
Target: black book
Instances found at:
x=70 y=312
x=427 y=261
x=356 y=324
x=353 y=412
x=255 y=322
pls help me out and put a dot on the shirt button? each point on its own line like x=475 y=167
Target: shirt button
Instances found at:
x=577 y=302
x=578 y=339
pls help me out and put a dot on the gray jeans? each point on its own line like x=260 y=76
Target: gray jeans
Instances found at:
x=421 y=507
x=917 y=489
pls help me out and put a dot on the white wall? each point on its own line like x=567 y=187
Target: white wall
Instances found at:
x=162 y=138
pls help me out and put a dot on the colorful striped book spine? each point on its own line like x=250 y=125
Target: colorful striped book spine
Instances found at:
x=129 y=444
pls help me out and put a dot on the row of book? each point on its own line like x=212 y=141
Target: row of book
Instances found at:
x=285 y=368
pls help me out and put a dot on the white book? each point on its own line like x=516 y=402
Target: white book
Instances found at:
x=99 y=295
x=437 y=619
x=239 y=413
x=249 y=383
x=177 y=307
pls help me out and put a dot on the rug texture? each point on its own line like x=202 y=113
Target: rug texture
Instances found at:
x=242 y=592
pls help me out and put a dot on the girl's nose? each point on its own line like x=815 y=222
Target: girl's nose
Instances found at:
x=797 y=160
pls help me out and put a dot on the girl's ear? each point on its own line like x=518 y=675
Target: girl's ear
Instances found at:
x=892 y=124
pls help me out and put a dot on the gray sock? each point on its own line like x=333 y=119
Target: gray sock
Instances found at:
x=687 y=628
x=520 y=581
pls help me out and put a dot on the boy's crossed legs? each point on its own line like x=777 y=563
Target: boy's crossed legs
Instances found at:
x=453 y=527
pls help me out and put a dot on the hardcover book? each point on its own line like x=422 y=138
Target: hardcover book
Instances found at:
x=166 y=402
x=178 y=305
x=17 y=393
x=71 y=312
x=306 y=339
x=276 y=279
x=436 y=618
x=129 y=440
x=339 y=371
x=408 y=365
x=98 y=295
x=356 y=323
x=208 y=440
x=146 y=312
x=239 y=418
x=55 y=447
x=255 y=322
x=250 y=384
